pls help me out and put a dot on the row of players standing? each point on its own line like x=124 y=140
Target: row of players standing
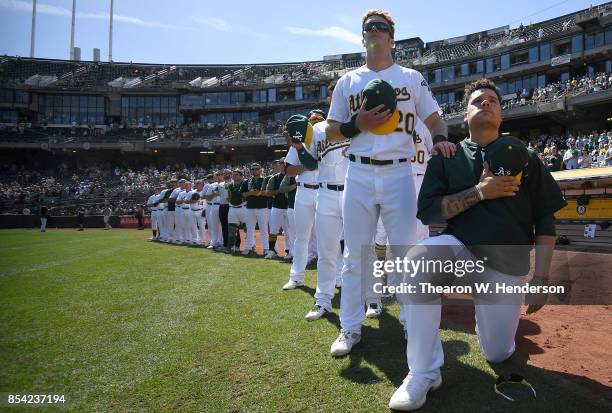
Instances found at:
x=321 y=168
x=182 y=212
x=374 y=112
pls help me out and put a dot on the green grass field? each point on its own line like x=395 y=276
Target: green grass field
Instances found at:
x=120 y=324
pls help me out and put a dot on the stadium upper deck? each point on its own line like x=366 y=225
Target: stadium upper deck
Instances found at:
x=520 y=60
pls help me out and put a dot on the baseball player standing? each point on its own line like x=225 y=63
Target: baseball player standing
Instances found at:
x=224 y=208
x=288 y=186
x=379 y=176
x=278 y=214
x=106 y=213
x=151 y=204
x=237 y=209
x=190 y=201
x=182 y=214
x=303 y=215
x=223 y=211
x=422 y=147
x=256 y=211
x=171 y=222
x=328 y=158
x=44 y=214
x=163 y=204
x=495 y=195
x=212 y=195
x=162 y=209
x=197 y=210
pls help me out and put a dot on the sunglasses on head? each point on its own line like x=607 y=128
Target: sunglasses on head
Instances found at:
x=380 y=26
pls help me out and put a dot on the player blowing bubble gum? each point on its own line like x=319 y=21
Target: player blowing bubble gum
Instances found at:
x=376 y=107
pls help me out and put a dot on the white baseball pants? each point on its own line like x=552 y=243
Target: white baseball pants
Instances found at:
x=372 y=191
x=259 y=216
x=304 y=217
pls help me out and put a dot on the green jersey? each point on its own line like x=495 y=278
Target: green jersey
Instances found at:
x=255 y=201
x=507 y=221
x=265 y=187
x=234 y=192
x=279 y=200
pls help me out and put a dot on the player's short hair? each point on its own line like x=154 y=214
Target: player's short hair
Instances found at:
x=480 y=84
x=199 y=182
x=238 y=171
x=381 y=13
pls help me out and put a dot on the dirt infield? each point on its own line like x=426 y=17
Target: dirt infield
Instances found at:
x=570 y=340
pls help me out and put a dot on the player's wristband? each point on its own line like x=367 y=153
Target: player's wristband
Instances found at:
x=349 y=129
x=439 y=138
x=479 y=191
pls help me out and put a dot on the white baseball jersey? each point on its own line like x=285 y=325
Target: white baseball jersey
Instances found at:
x=182 y=196
x=151 y=201
x=332 y=163
x=175 y=192
x=414 y=100
x=201 y=204
x=205 y=191
x=214 y=187
x=422 y=148
x=188 y=196
x=162 y=205
x=307 y=177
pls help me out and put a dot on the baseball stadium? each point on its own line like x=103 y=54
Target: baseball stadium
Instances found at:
x=215 y=237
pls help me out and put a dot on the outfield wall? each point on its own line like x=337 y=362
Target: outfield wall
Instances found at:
x=90 y=221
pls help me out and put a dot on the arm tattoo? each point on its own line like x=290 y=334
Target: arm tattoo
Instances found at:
x=453 y=205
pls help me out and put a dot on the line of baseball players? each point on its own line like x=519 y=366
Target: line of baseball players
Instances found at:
x=186 y=213
x=320 y=170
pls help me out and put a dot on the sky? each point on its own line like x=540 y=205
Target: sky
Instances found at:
x=231 y=31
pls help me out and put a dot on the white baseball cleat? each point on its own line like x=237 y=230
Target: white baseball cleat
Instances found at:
x=344 y=343
x=270 y=255
x=291 y=284
x=316 y=313
x=246 y=252
x=374 y=311
x=412 y=394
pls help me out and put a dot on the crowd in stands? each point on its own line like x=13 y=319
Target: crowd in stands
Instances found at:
x=551 y=92
x=574 y=151
x=65 y=189
x=149 y=132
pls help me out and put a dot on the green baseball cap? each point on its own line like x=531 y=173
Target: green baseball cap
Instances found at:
x=507 y=156
x=300 y=129
x=378 y=92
